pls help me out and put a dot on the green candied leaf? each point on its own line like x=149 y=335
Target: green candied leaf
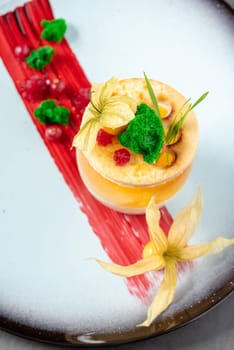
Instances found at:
x=152 y=95
x=44 y=112
x=61 y=115
x=49 y=113
x=54 y=30
x=180 y=117
x=144 y=134
x=39 y=58
x=200 y=99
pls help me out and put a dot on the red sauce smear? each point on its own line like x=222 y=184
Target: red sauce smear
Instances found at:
x=122 y=236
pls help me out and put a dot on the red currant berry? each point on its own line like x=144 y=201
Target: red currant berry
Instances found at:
x=122 y=156
x=81 y=98
x=22 y=51
x=103 y=138
x=57 y=87
x=34 y=89
x=53 y=133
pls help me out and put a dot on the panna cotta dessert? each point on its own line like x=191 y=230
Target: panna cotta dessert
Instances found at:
x=138 y=138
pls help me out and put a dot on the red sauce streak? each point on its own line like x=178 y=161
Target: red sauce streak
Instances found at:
x=122 y=236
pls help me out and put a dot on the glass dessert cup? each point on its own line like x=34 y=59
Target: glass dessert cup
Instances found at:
x=129 y=199
x=128 y=187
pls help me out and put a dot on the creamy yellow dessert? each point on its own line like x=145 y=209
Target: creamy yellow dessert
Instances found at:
x=111 y=128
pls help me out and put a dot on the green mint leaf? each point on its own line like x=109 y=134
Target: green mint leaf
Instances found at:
x=54 y=30
x=144 y=134
x=50 y=113
x=39 y=58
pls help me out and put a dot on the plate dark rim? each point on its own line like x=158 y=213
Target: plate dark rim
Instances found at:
x=166 y=325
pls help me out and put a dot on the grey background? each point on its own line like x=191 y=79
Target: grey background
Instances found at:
x=214 y=330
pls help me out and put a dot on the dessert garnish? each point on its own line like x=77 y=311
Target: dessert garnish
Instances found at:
x=39 y=58
x=171 y=134
x=35 y=88
x=53 y=133
x=107 y=111
x=164 y=252
x=104 y=138
x=144 y=134
x=22 y=51
x=57 y=87
x=166 y=159
x=54 y=30
x=80 y=98
x=152 y=95
x=48 y=112
x=122 y=156
x=178 y=120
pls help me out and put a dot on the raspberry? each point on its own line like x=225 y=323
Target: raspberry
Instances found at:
x=34 y=89
x=121 y=156
x=103 y=138
x=53 y=133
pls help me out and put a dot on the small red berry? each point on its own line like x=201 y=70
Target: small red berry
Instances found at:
x=34 y=89
x=122 y=156
x=81 y=98
x=57 y=87
x=22 y=51
x=103 y=138
x=53 y=133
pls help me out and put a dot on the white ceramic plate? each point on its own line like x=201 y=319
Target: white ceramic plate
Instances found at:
x=48 y=289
